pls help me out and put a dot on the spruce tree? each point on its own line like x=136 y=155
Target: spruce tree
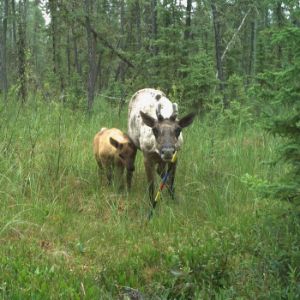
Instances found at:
x=284 y=95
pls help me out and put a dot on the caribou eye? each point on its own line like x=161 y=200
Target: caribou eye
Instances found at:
x=121 y=156
x=177 y=132
x=155 y=131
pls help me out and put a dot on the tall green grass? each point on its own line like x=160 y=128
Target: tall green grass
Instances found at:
x=65 y=234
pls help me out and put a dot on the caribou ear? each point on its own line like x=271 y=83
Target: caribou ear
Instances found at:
x=148 y=120
x=115 y=143
x=187 y=120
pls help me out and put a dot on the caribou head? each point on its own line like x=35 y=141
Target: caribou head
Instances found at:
x=167 y=130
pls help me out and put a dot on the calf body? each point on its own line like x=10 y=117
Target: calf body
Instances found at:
x=155 y=130
x=114 y=151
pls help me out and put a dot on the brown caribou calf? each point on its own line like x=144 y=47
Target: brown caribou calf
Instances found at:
x=114 y=151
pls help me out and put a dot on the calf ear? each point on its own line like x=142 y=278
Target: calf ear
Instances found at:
x=115 y=143
x=148 y=120
x=187 y=120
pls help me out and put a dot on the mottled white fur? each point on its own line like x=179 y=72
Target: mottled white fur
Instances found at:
x=141 y=134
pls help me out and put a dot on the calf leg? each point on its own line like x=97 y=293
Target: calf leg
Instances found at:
x=99 y=168
x=118 y=176
x=129 y=175
x=109 y=173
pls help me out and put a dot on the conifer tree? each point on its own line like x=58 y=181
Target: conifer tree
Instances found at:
x=285 y=118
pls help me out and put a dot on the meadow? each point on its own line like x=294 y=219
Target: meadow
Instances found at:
x=65 y=234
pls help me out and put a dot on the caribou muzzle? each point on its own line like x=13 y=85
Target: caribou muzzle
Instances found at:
x=167 y=152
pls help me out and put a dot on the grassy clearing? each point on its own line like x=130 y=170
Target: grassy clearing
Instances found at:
x=65 y=234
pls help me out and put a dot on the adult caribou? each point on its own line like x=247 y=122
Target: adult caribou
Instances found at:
x=154 y=128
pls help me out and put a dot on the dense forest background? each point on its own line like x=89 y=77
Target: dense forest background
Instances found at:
x=68 y=68
x=199 y=52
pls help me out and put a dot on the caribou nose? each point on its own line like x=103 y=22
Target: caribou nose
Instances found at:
x=167 y=153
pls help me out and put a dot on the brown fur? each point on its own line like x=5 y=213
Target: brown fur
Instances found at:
x=114 y=152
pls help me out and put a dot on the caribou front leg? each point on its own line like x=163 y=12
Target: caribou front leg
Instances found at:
x=161 y=169
x=149 y=168
x=172 y=171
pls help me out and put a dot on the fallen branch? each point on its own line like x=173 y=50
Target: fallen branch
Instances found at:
x=234 y=37
x=99 y=36
x=108 y=45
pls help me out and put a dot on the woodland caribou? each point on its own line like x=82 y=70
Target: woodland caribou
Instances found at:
x=154 y=128
x=114 y=152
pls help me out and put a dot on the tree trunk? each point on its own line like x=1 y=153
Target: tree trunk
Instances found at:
x=138 y=24
x=75 y=48
x=91 y=42
x=56 y=57
x=21 y=50
x=35 y=32
x=4 y=48
x=154 y=25
x=68 y=52
x=121 y=68
x=252 y=58
x=98 y=36
x=217 y=29
x=14 y=27
x=52 y=7
x=187 y=32
x=280 y=21
x=166 y=18
x=99 y=73
x=1 y=58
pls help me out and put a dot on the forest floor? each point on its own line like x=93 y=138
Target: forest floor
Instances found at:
x=65 y=234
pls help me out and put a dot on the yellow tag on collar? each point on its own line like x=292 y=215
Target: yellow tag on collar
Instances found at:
x=174 y=157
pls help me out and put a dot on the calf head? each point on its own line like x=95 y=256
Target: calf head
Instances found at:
x=126 y=153
x=167 y=130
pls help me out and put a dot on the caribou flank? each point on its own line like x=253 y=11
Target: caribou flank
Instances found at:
x=114 y=151
x=154 y=128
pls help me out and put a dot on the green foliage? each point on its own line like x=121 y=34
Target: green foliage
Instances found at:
x=199 y=82
x=57 y=53
x=74 y=94
x=240 y=111
x=65 y=234
x=68 y=235
x=281 y=90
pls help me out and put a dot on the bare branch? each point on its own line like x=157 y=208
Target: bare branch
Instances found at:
x=234 y=37
x=100 y=37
